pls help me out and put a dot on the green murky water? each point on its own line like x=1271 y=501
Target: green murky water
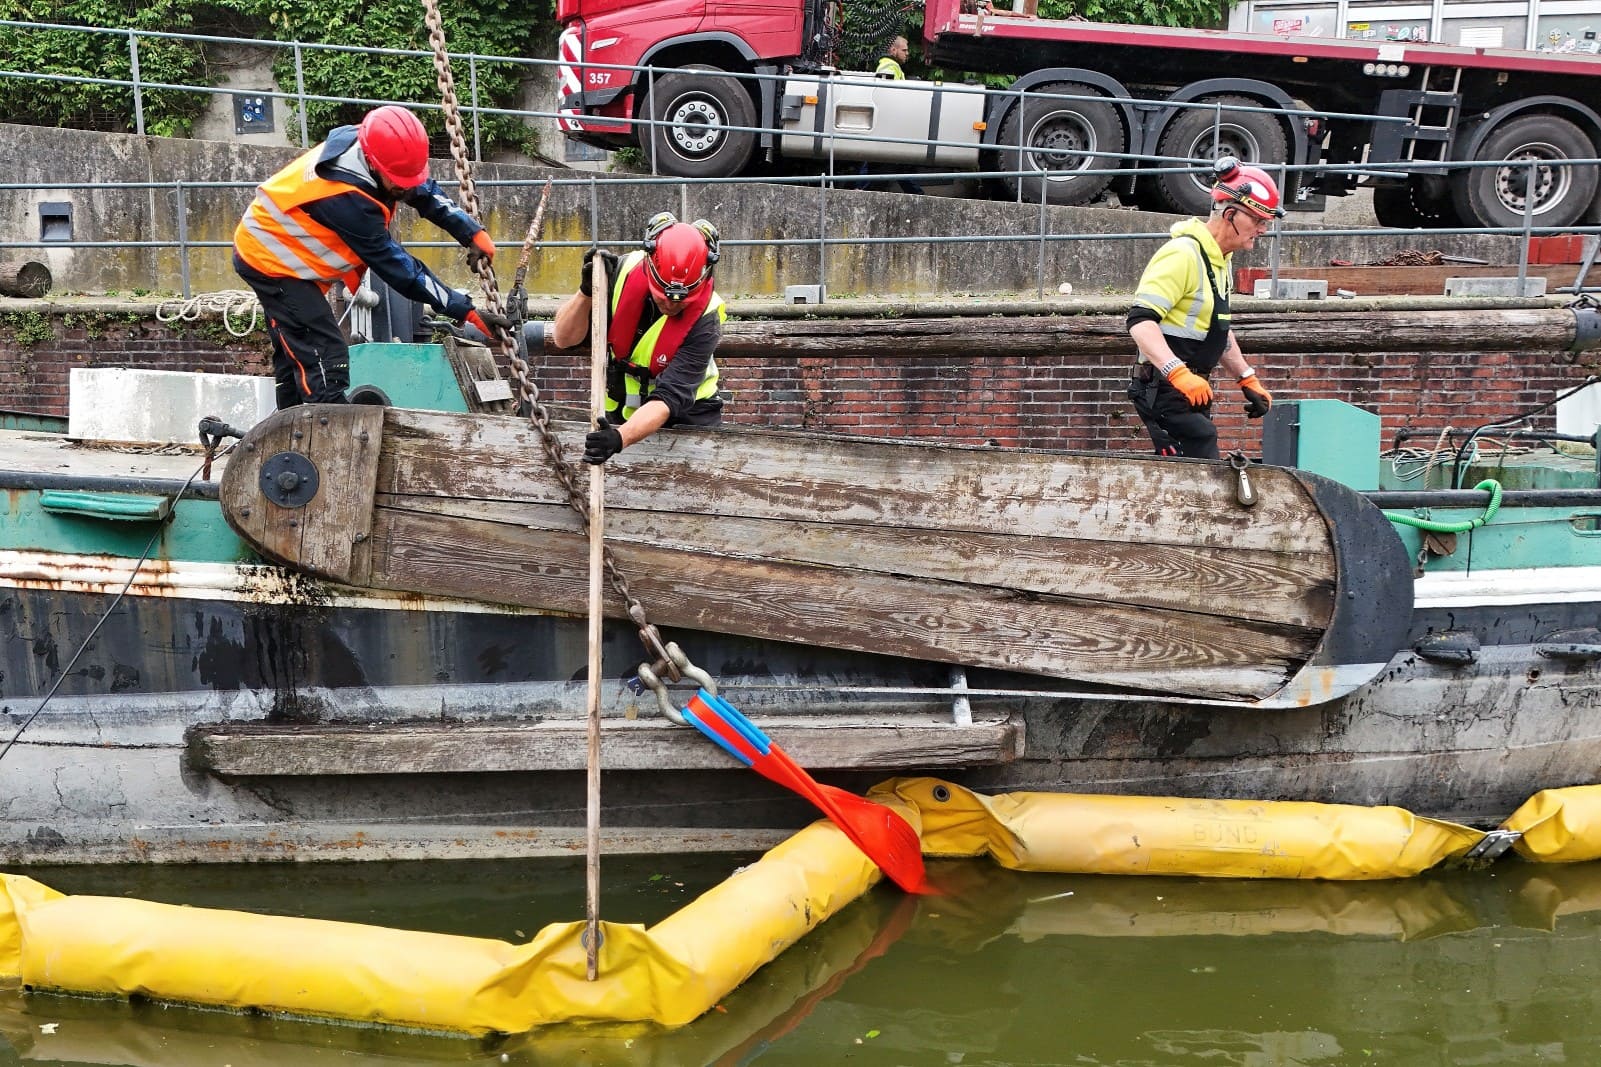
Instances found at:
x=1007 y=969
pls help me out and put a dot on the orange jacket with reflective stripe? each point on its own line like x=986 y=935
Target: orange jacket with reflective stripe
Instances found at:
x=278 y=238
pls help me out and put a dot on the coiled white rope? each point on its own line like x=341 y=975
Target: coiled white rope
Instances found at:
x=231 y=304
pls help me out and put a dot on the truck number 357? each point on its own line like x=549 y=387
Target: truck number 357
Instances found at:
x=599 y=77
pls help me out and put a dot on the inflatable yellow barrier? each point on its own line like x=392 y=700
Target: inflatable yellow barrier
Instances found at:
x=1077 y=834
x=671 y=973
x=682 y=966
x=1559 y=825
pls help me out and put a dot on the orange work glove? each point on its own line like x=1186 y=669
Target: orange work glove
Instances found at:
x=1192 y=385
x=482 y=251
x=1257 y=399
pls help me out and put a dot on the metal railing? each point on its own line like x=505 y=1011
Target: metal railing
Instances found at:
x=1143 y=166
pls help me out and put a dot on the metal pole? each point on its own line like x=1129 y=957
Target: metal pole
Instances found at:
x=472 y=81
x=300 y=95
x=597 y=548
x=822 y=236
x=1217 y=129
x=138 y=90
x=1528 y=225
x=183 y=240
x=1022 y=104
x=1039 y=274
x=650 y=131
x=1273 y=250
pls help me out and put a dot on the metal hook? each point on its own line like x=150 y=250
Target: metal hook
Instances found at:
x=1244 y=491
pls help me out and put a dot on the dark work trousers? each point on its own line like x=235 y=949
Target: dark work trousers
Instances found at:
x=310 y=356
x=1176 y=429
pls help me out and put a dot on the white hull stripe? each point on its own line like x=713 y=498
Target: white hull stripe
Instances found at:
x=1525 y=585
x=252 y=583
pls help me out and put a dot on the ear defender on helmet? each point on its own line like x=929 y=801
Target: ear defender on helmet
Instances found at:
x=1247 y=187
x=713 y=239
x=654 y=228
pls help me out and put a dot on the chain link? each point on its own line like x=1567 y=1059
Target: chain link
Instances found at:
x=538 y=414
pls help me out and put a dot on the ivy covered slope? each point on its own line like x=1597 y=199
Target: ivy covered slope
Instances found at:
x=483 y=27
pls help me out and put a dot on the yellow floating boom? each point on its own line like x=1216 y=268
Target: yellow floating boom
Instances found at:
x=681 y=967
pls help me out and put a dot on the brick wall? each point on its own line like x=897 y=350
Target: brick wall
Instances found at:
x=1078 y=402
x=1057 y=401
x=38 y=352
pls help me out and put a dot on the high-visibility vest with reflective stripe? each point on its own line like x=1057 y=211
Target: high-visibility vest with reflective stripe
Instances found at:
x=889 y=68
x=278 y=238
x=645 y=347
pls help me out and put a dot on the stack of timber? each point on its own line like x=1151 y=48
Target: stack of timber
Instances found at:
x=1145 y=575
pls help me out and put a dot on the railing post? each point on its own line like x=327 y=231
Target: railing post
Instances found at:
x=650 y=129
x=1039 y=271
x=472 y=81
x=183 y=238
x=1278 y=233
x=300 y=96
x=1528 y=225
x=1022 y=104
x=138 y=90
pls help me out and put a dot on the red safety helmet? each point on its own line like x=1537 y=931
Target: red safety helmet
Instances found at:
x=395 y=144
x=678 y=257
x=1247 y=186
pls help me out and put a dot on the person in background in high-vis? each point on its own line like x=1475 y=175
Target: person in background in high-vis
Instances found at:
x=1181 y=322
x=325 y=218
x=664 y=324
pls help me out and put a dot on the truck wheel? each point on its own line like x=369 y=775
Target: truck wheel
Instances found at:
x=1425 y=201
x=696 y=104
x=1044 y=128
x=1248 y=136
x=1498 y=196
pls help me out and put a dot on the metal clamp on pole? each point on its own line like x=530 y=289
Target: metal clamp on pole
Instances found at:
x=1489 y=850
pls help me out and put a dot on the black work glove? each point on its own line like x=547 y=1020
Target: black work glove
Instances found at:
x=1257 y=399
x=602 y=443
x=609 y=258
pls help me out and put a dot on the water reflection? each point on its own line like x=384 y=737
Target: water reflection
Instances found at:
x=1007 y=968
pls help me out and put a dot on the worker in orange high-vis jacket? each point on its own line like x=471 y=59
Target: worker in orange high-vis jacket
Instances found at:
x=325 y=218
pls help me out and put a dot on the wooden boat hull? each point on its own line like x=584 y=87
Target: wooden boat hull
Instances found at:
x=1144 y=575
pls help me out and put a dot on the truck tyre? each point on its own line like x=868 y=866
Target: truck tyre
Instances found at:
x=1497 y=196
x=1248 y=136
x=1044 y=127
x=1425 y=201
x=695 y=103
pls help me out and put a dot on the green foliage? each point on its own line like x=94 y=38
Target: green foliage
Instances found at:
x=168 y=112
x=28 y=328
x=1198 y=13
x=482 y=27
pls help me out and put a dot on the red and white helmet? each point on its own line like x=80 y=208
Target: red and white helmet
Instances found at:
x=395 y=144
x=1248 y=187
x=679 y=257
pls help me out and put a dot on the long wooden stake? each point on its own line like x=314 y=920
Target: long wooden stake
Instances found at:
x=597 y=542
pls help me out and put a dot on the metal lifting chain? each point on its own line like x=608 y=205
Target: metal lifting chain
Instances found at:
x=666 y=659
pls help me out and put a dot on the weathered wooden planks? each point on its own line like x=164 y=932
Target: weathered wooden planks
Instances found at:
x=1255 y=584
x=1139 y=573
x=325 y=535
x=1112 y=643
x=797 y=476
x=1337 y=327
x=555 y=745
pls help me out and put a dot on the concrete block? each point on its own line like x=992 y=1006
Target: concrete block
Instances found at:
x=161 y=406
x=805 y=294
x=1291 y=289
x=1532 y=286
